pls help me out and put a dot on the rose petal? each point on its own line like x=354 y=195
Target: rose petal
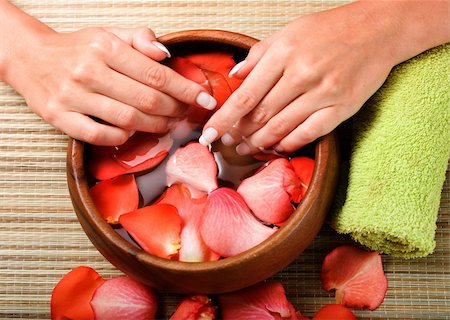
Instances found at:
x=155 y=228
x=219 y=86
x=115 y=196
x=335 y=312
x=266 y=300
x=123 y=298
x=228 y=226
x=142 y=152
x=304 y=169
x=357 y=276
x=193 y=248
x=269 y=192
x=195 y=167
x=196 y=307
x=72 y=295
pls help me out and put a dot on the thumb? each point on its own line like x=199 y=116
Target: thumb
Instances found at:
x=142 y=39
x=243 y=68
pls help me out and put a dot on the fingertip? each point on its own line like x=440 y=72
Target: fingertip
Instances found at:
x=208 y=136
x=162 y=48
x=236 y=69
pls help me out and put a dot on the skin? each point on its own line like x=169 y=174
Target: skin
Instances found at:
x=318 y=71
x=98 y=85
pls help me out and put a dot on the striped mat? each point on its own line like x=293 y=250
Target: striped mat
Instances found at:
x=41 y=239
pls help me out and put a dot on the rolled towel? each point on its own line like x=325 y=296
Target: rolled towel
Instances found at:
x=398 y=159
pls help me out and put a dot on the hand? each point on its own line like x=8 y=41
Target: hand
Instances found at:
x=99 y=85
x=308 y=78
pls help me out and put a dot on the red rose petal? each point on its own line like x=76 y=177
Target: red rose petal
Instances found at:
x=219 y=86
x=357 y=276
x=124 y=298
x=304 y=169
x=266 y=300
x=195 y=167
x=228 y=226
x=269 y=192
x=155 y=228
x=219 y=61
x=234 y=83
x=335 y=312
x=142 y=152
x=115 y=196
x=193 y=248
x=189 y=70
x=196 y=307
x=72 y=295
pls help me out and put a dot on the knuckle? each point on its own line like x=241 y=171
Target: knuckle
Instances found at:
x=160 y=125
x=82 y=72
x=147 y=102
x=189 y=93
x=310 y=132
x=259 y=116
x=155 y=76
x=92 y=135
x=51 y=112
x=278 y=126
x=101 y=42
x=127 y=118
x=65 y=92
x=306 y=73
x=245 y=100
x=332 y=86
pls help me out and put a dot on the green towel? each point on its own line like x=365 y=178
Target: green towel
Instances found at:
x=399 y=154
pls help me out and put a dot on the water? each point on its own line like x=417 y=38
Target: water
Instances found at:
x=232 y=168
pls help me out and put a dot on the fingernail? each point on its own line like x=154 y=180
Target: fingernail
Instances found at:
x=208 y=136
x=278 y=148
x=227 y=139
x=236 y=68
x=243 y=149
x=162 y=47
x=206 y=101
x=131 y=133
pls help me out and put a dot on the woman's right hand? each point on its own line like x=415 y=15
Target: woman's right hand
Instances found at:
x=100 y=85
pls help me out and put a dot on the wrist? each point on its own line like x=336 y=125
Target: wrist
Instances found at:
x=407 y=28
x=21 y=35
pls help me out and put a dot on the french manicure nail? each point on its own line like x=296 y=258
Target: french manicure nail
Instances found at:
x=236 y=68
x=206 y=101
x=243 y=149
x=162 y=47
x=208 y=136
x=227 y=139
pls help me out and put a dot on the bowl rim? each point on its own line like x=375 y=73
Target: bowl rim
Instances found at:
x=92 y=216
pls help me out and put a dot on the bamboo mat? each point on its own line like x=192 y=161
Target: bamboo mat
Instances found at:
x=41 y=239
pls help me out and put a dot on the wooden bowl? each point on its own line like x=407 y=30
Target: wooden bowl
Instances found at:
x=228 y=274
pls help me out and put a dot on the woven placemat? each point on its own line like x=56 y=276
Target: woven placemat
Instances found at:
x=41 y=239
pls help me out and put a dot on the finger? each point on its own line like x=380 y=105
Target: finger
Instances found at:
x=283 y=94
x=258 y=83
x=131 y=92
x=83 y=128
x=151 y=73
x=121 y=115
x=243 y=68
x=318 y=124
x=142 y=39
x=281 y=124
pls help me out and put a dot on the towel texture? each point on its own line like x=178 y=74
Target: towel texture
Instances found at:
x=389 y=197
